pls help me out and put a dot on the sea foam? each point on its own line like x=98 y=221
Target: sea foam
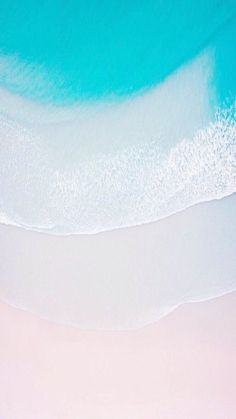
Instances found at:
x=104 y=165
x=101 y=166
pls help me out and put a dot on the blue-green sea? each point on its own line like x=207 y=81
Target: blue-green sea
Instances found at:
x=114 y=113
x=106 y=48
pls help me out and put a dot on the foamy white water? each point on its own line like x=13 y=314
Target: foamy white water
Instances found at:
x=102 y=166
x=99 y=167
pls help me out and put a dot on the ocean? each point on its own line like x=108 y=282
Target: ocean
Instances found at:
x=139 y=90
x=116 y=114
x=63 y=52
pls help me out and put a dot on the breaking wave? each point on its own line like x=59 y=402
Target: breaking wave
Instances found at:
x=136 y=185
x=105 y=166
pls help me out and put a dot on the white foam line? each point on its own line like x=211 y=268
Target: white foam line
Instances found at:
x=93 y=168
x=123 y=279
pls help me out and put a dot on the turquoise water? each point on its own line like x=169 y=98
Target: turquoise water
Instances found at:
x=105 y=162
x=64 y=51
x=146 y=128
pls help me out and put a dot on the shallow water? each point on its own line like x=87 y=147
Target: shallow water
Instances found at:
x=112 y=116
x=122 y=279
x=116 y=159
x=94 y=168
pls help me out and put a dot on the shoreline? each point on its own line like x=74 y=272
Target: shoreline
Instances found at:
x=122 y=279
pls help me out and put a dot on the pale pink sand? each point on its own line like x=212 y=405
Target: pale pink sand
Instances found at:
x=183 y=367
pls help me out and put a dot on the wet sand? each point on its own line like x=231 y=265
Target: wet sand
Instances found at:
x=126 y=278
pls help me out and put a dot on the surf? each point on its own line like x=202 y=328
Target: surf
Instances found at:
x=98 y=167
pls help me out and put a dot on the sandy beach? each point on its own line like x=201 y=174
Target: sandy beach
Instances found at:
x=118 y=209
x=126 y=278
x=182 y=367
